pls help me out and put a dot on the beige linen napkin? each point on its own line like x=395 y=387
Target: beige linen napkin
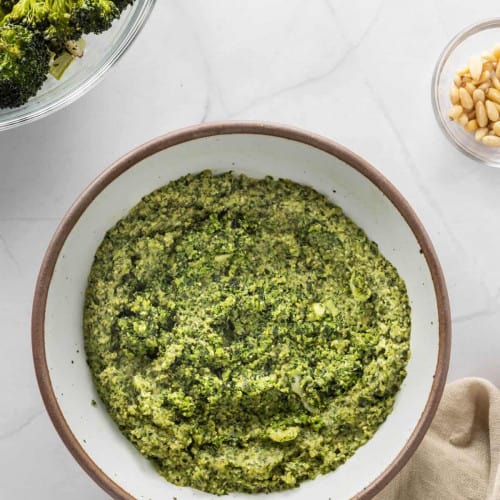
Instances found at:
x=459 y=457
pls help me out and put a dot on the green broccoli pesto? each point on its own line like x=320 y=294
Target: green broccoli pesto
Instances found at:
x=245 y=335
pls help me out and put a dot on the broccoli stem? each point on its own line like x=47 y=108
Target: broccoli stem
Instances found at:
x=60 y=65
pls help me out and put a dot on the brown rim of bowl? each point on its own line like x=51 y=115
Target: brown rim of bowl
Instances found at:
x=223 y=128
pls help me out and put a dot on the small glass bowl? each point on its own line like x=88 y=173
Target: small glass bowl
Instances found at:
x=101 y=52
x=471 y=41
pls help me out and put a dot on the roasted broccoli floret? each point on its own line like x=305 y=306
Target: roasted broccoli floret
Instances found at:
x=122 y=4
x=94 y=16
x=63 y=20
x=24 y=64
x=51 y=18
x=6 y=6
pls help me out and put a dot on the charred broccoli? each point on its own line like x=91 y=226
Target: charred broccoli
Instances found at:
x=122 y=4
x=24 y=64
x=40 y=26
x=51 y=18
x=6 y=7
x=94 y=16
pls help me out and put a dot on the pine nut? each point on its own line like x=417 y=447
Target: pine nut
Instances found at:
x=488 y=56
x=488 y=66
x=496 y=82
x=475 y=67
x=472 y=126
x=485 y=76
x=480 y=133
x=491 y=111
x=465 y=99
x=478 y=95
x=485 y=86
x=463 y=119
x=470 y=87
x=481 y=116
x=497 y=71
x=454 y=95
x=496 y=51
x=456 y=111
x=457 y=80
x=491 y=140
x=493 y=95
x=496 y=128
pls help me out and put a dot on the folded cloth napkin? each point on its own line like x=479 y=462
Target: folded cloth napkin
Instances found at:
x=459 y=457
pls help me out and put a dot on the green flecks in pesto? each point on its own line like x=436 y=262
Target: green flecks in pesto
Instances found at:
x=244 y=334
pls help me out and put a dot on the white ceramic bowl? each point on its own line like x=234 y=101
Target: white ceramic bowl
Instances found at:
x=256 y=150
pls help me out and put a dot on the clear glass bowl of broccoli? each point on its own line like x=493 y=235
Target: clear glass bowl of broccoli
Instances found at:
x=53 y=51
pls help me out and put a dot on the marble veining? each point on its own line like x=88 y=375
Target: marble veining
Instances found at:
x=12 y=433
x=358 y=72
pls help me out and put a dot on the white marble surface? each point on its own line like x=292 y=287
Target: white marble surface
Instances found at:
x=358 y=72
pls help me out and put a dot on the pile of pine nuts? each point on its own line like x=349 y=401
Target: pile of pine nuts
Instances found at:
x=475 y=97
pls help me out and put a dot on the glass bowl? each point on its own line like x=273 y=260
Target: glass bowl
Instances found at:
x=101 y=52
x=471 y=41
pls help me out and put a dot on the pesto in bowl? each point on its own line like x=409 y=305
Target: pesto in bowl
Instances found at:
x=245 y=335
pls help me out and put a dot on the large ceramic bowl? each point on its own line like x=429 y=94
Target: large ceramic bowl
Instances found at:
x=257 y=150
x=101 y=52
